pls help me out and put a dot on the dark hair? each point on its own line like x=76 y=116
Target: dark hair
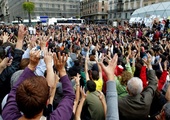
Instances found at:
x=95 y=75
x=158 y=73
x=94 y=52
x=91 y=85
x=24 y=63
x=76 y=63
x=167 y=111
x=32 y=95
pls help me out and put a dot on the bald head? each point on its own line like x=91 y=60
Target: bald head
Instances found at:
x=135 y=86
x=167 y=95
x=166 y=110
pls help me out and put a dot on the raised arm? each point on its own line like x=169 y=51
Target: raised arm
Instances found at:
x=111 y=93
x=54 y=89
x=102 y=98
x=7 y=73
x=65 y=108
x=86 y=67
x=133 y=64
x=50 y=73
x=76 y=101
x=162 y=79
x=11 y=111
x=160 y=66
x=99 y=68
x=149 y=91
x=127 y=65
x=5 y=62
x=21 y=34
x=80 y=106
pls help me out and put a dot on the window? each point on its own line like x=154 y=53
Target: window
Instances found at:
x=102 y=10
x=59 y=6
x=64 y=7
x=102 y=3
x=119 y=15
x=40 y=4
x=125 y=15
x=47 y=5
x=114 y=15
x=103 y=17
x=110 y=16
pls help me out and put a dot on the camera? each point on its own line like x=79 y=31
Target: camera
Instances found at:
x=5 y=52
x=41 y=52
x=8 y=51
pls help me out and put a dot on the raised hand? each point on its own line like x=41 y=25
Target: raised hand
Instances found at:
x=34 y=59
x=43 y=41
x=127 y=59
x=109 y=70
x=101 y=96
x=60 y=62
x=5 y=62
x=148 y=61
x=32 y=41
x=77 y=79
x=22 y=32
x=48 y=57
x=5 y=37
x=83 y=94
x=165 y=65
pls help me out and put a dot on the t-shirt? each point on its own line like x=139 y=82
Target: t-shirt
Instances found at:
x=94 y=106
x=99 y=84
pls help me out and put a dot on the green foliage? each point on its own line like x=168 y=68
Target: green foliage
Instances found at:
x=28 y=6
x=77 y=16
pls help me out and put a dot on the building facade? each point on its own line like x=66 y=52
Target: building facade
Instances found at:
x=49 y=8
x=121 y=10
x=94 y=11
x=4 y=10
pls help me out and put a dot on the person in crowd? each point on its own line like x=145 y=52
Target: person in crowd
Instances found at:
x=165 y=113
x=96 y=76
x=93 y=106
x=6 y=74
x=30 y=87
x=137 y=104
x=107 y=59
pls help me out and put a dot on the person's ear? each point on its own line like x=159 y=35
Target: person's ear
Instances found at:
x=127 y=90
x=48 y=102
x=162 y=114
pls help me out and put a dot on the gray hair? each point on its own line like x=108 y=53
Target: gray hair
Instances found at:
x=135 y=86
x=166 y=109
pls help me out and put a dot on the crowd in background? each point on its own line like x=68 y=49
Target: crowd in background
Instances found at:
x=88 y=72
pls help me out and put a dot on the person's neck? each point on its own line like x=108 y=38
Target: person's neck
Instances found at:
x=37 y=117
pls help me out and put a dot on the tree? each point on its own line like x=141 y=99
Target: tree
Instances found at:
x=29 y=7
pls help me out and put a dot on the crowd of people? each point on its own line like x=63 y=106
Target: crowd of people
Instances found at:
x=88 y=72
